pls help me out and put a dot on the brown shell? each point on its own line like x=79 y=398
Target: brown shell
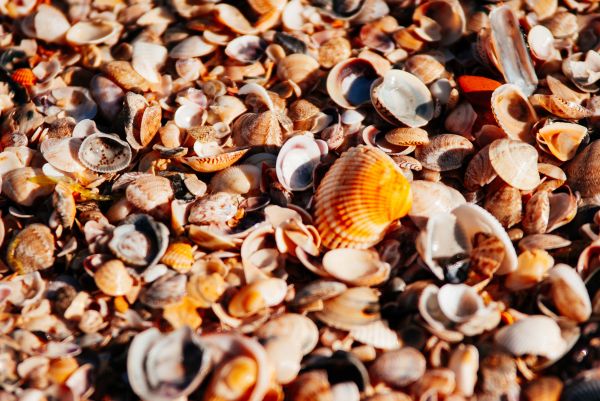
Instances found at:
x=104 y=153
x=257 y=129
x=150 y=192
x=425 y=66
x=18 y=185
x=125 y=76
x=505 y=205
x=537 y=213
x=560 y=107
x=32 y=249
x=513 y=112
x=444 y=152
x=210 y=164
x=583 y=172
x=361 y=194
x=179 y=256
x=479 y=171
x=64 y=205
x=113 y=279
x=515 y=162
x=407 y=136
x=150 y=124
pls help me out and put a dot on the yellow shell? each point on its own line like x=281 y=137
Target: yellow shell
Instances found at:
x=362 y=193
x=179 y=256
x=31 y=249
x=113 y=279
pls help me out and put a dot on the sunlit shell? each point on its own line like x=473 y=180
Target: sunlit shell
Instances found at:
x=399 y=368
x=444 y=152
x=333 y=51
x=349 y=81
x=54 y=31
x=541 y=42
x=296 y=162
x=179 y=256
x=76 y=102
x=357 y=306
x=407 y=137
x=430 y=198
x=245 y=49
x=569 y=294
x=125 y=76
x=104 y=153
x=300 y=69
x=464 y=362
x=64 y=205
x=63 y=153
x=533 y=335
x=20 y=186
x=240 y=179
x=582 y=171
x=221 y=161
x=513 y=112
x=31 y=249
x=257 y=129
x=505 y=204
x=356 y=266
x=193 y=46
x=401 y=98
x=459 y=302
x=375 y=194
x=113 y=279
x=515 y=162
x=560 y=107
x=205 y=289
x=561 y=139
x=533 y=265
x=447 y=15
x=426 y=67
x=24 y=77
x=292 y=326
x=139 y=241
x=150 y=192
x=257 y=296
x=147 y=59
x=93 y=32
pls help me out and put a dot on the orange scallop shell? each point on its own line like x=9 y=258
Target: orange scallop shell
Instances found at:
x=210 y=164
x=362 y=193
x=179 y=256
x=24 y=77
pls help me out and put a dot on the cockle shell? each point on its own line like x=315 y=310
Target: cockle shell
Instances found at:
x=444 y=152
x=349 y=81
x=430 y=198
x=104 y=153
x=561 y=139
x=426 y=67
x=113 y=279
x=402 y=98
x=354 y=307
x=179 y=256
x=24 y=76
x=150 y=192
x=257 y=129
x=296 y=162
x=569 y=294
x=62 y=154
x=240 y=179
x=139 y=240
x=407 y=136
x=50 y=24
x=246 y=49
x=375 y=194
x=300 y=69
x=31 y=249
x=533 y=335
x=193 y=46
x=18 y=186
x=582 y=171
x=515 y=162
x=560 y=107
x=513 y=112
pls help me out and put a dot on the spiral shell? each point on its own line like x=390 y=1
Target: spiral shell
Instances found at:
x=363 y=192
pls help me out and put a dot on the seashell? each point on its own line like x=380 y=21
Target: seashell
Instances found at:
x=19 y=186
x=407 y=137
x=532 y=268
x=159 y=367
x=581 y=390
x=430 y=198
x=543 y=241
x=139 y=240
x=581 y=171
x=426 y=67
x=444 y=152
x=147 y=59
x=510 y=50
x=356 y=266
x=150 y=192
x=537 y=213
x=401 y=98
x=560 y=107
x=569 y=294
x=233 y=379
x=532 y=335
x=257 y=296
x=347 y=82
x=582 y=71
x=62 y=154
x=561 y=139
x=123 y=74
x=76 y=102
x=240 y=179
x=505 y=205
x=318 y=290
x=300 y=69
x=506 y=154
x=113 y=279
x=464 y=362
x=513 y=112
x=543 y=9
x=217 y=162
x=296 y=162
x=50 y=32
x=459 y=302
x=226 y=109
x=167 y=290
x=311 y=385
x=217 y=208
x=565 y=92
x=336 y=218
x=234 y=19
x=354 y=307
x=205 y=290
x=24 y=77
x=64 y=205
x=104 y=153
x=212 y=239
x=94 y=32
x=31 y=249
x=398 y=368
x=257 y=129
x=448 y=15
x=436 y=381
x=461 y=119
x=291 y=326
x=334 y=51
x=541 y=43
x=285 y=356
x=562 y=24
x=245 y=49
x=179 y=256
x=547 y=388
x=108 y=96
x=191 y=47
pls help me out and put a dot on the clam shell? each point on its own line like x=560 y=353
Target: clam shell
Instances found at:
x=560 y=107
x=31 y=249
x=430 y=198
x=18 y=186
x=533 y=335
x=62 y=154
x=513 y=112
x=257 y=129
x=221 y=161
x=569 y=293
x=53 y=32
x=515 y=162
x=240 y=179
x=357 y=306
x=399 y=368
x=191 y=47
x=407 y=137
x=447 y=14
x=459 y=302
x=401 y=98
x=147 y=59
x=300 y=69
x=444 y=152
x=256 y=296
x=532 y=267
x=113 y=279
x=348 y=82
x=93 y=32
x=426 y=67
x=464 y=362
x=582 y=171
x=561 y=139
x=375 y=194
x=139 y=241
x=245 y=49
x=150 y=192
x=356 y=266
x=293 y=326
x=296 y=162
x=479 y=171
x=104 y=153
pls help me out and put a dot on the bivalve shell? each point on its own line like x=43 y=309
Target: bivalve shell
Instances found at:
x=104 y=153
x=513 y=112
x=31 y=249
x=516 y=163
x=444 y=152
x=356 y=266
x=569 y=293
x=150 y=192
x=113 y=279
x=296 y=162
x=533 y=335
x=354 y=307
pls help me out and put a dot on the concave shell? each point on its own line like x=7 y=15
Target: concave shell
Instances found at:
x=402 y=98
x=426 y=67
x=515 y=162
x=17 y=185
x=533 y=335
x=357 y=306
x=254 y=297
x=240 y=179
x=444 y=152
x=356 y=266
x=513 y=112
x=221 y=161
x=569 y=294
x=398 y=368
x=448 y=15
x=50 y=24
x=179 y=256
x=150 y=192
x=163 y=367
x=560 y=107
x=62 y=153
x=191 y=47
x=140 y=240
x=582 y=171
x=296 y=162
x=31 y=249
x=93 y=32
x=104 y=153
x=561 y=139
x=374 y=194
x=294 y=326
x=147 y=59
x=300 y=69
x=113 y=279
x=349 y=81
x=459 y=302
x=430 y=198
x=246 y=49
x=511 y=51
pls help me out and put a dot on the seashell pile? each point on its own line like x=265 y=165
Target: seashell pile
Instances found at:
x=305 y=200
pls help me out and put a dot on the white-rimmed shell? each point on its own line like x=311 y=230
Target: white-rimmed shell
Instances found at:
x=54 y=31
x=459 y=302
x=147 y=59
x=93 y=32
x=246 y=48
x=104 y=153
x=296 y=162
x=569 y=293
x=356 y=266
x=190 y=47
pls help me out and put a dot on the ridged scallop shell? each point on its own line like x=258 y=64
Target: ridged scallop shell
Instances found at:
x=402 y=98
x=113 y=279
x=179 y=256
x=426 y=67
x=17 y=185
x=561 y=139
x=516 y=163
x=533 y=335
x=104 y=153
x=356 y=306
x=24 y=77
x=444 y=152
x=560 y=107
x=210 y=164
x=583 y=171
x=407 y=137
x=150 y=192
x=31 y=249
x=361 y=194
x=257 y=129
x=513 y=112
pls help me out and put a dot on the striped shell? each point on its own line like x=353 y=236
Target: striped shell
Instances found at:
x=113 y=279
x=179 y=256
x=24 y=77
x=32 y=249
x=104 y=153
x=407 y=136
x=362 y=193
x=150 y=192
x=218 y=162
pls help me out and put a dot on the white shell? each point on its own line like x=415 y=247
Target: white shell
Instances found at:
x=246 y=48
x=189 y=115
x=147 y=58
x=356 y=266
x=533 y=335
x=93 y=32
x=459 y=302
x=296 y=162
x=569 y=293
x=193 y=46
x=54 y=31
